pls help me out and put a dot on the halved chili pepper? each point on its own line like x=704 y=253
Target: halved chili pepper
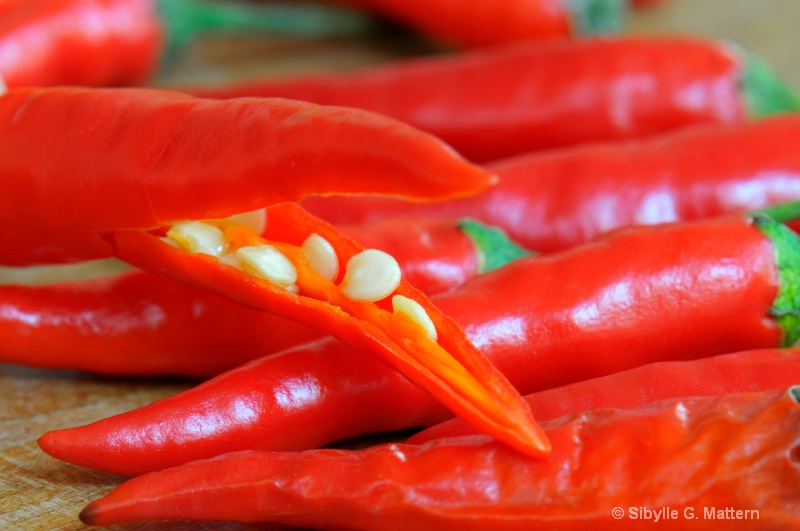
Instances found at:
x=117 y=42
x=121 y=169
x=554 y=200
x=489 y=23
x=136 y=323
x=740 y=372
x=509 y=100
x=639 y=295
x=736 y=454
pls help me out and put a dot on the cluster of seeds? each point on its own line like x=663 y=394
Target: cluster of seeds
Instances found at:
x=369 y=276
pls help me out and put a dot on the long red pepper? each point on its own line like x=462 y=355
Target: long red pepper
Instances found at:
x=135 y=323
x=205 y=159
x=509 y=100
x=730 y=462
x=488 y=22
x=123 y=171
x=560 y=198
x=639 y=295
x=740 y=372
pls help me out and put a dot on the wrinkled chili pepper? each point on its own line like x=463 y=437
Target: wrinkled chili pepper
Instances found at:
x=560 y=198
x=510 y=100
x=636 y=296
x=740 y=372
x=121 y=172
x=490 y=23
x=685 y=456
x=136 y=323
x=118 y=42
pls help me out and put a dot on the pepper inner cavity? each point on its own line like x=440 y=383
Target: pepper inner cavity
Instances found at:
x=370 y=276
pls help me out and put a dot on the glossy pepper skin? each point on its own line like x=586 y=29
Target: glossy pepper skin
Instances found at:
x=707 y=288
x=490 y=23
x=206 y=159
x=555 y=200
x=136 y=323
x=684 y=455
x=740 y=372
x=85 y=42
x=125 y=172
x=505 y=101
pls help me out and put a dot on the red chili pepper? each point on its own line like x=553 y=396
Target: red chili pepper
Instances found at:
x=510 y=100
x=122 y=168
x=615 y=184
x=737 y=456
x=118 y=42
x=640 y=295
x=135 y=323
x=740 y=372
x=488 y=22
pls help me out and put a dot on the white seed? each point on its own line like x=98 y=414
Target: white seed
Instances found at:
x=255 y=219
x=321 y=257
x=414 y=311
x=198 y=237
x=267 y=262
x=370 y=276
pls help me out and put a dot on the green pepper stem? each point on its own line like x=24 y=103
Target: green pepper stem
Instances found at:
x=783 y=212
x=186 y=19
x=598 y=17
x=786 y=307
x=763 y=92
x=493 y=245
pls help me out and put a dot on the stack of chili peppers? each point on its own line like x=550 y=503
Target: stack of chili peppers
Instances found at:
x=653 y=335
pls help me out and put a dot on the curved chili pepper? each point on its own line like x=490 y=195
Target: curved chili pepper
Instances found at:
x=736 y=454
x=560 y=198
x=136 y=183
x=135 y=323
x=119 y=42
x=509 y=100
x=639 y=295
x=489 y=23
x=740 y=372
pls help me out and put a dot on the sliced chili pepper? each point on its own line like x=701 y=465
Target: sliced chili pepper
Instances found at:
x=557 y=199
x=135 y=323
x=137 y=180
x=740 y=372
x=734 y=454
x=509 y=100
x=489 y=23
x=645 y=294
x=118 y=42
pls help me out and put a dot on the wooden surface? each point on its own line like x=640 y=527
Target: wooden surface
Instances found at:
x=38 y=492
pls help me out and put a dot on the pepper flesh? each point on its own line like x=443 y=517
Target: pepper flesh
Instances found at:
x=561 y=198
x=584 y=313
x=510 y=100
x=136 y=323
x=686 y=454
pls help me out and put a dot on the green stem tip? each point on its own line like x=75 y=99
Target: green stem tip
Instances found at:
x=494 y=247
x=763 y=91
x=786 y=307
x=598 y=17
x=186 y=19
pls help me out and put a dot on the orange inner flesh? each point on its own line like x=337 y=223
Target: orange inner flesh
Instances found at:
x=397 y=326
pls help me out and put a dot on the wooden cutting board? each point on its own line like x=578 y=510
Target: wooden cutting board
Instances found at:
x=38 y=492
